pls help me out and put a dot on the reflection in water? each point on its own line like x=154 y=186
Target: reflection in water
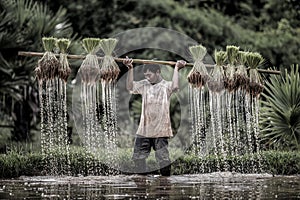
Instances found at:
x=201 y=186
x=155 y=187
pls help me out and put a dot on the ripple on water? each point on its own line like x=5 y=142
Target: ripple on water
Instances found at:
x=217 y=185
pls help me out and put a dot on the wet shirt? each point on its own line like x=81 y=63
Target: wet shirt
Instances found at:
x=155 y=117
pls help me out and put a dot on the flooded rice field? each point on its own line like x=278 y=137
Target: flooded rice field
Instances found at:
x=221 y=185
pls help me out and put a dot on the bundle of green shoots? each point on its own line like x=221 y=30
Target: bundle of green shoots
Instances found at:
x=216 y=82
x=241 y=79
x=109 y=69
x=48 y=65
x=254 y=60
x=89 y=69
x=198 y=75
x=232 y=52
x=64 y=70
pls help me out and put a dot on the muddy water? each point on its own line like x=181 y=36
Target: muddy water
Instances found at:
x=200 y=186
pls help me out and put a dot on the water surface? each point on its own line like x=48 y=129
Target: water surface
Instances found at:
x=200 y=186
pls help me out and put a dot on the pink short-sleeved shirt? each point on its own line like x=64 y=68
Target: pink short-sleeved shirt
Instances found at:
x=155 y=117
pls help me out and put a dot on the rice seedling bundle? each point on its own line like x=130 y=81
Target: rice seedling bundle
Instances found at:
x=232 y=52
x=64 y=70
x=89 y=69
x=198 y=76
x=48 y=65
x=254 y=60
x=109 y=70
x=216 y=82
x=240 y=76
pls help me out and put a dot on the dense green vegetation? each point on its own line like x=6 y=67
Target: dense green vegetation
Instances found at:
x=266 y=26
x=15 y=164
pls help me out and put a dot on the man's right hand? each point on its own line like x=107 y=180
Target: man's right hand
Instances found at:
x=180 y=64
x=128 y=62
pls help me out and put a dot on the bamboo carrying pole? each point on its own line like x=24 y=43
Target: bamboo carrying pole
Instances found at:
x=141 y=61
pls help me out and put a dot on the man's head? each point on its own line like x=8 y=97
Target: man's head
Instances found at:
x=152 y=73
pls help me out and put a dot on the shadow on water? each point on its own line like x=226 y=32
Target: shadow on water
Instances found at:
x=224 y=185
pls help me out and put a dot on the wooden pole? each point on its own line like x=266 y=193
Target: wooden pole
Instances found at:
x=140 y=61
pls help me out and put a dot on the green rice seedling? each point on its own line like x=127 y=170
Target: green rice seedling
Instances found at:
x=109 y=69
x=89 y=69
x=216 y=82
x=254 y=60
x=48 y=65
x=64 y=70
x=232 y=52
x=198 y=75
x=241 y=78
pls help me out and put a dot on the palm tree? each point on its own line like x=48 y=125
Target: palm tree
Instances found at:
x=280 y=114
x=23 y=23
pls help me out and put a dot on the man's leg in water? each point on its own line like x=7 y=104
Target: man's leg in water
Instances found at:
x=141 y=151
x=162 y=155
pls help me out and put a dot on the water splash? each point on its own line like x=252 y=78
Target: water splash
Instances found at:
x=216 y=129
x=54 y=136
x=90 y=121
x=110 y=123
x=226 y=129
x=198 y=118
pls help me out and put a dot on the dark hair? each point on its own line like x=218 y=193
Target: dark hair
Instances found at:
x=151 y=67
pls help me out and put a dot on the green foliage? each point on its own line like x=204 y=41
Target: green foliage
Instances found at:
x=15 y=164
x=280 y=114
x=267 y=26
x=279 y=45
x=282 y=163
x=273 y=162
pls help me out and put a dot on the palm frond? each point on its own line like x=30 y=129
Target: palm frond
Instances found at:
x=280 y=116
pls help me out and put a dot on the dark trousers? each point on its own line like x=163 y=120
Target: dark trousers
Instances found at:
x=142 y=148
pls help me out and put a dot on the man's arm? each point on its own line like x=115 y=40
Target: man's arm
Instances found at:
x=129 y=82
x=175 y=80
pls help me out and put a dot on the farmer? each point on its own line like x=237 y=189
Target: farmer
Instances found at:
x=155 y=126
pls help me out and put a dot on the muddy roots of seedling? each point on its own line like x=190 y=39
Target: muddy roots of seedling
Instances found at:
x=47 y=67
x=89 y=74
x=89 y=70
x=64 y=73
x=241 y=81
x=255 y=89
x=216 y=81
x=197 y=80
x=230 y=84
x=109 y=71
x=109 y=76
x=65 y=70
x=216 y=86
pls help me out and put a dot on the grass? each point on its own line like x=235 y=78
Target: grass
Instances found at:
x=15 y=164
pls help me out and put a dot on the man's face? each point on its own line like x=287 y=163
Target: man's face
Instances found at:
x=151 y=76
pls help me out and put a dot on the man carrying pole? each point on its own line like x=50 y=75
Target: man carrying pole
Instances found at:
x=155 y=126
